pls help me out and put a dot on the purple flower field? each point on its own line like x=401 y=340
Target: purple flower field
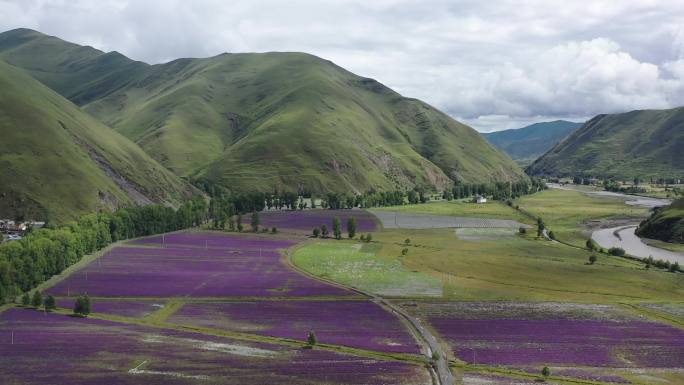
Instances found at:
x=197 y=265
x=135 y=309
x=306 y=220
x=359 y=324
x=563 y=342
x=60 y=350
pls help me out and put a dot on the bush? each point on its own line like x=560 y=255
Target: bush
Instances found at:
x=404 y=251
x=316 y=232
x=546 y=371
x=616 y=251
x=362 y=238
x=552 y=235
x=324 y=231
x=522 y=230
x=274 y=230
x=407 y=241
x=26 y=299
x=37 y=299
x=674 y=267
x=311 y=339
x=591 y=245
x=50 y=303
x=369 y=237
x=592 y=259
x=82 y=306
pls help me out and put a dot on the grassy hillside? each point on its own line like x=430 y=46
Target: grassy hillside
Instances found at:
x=261 y=121
x=526 y=144
x=666 y=224
x=644 y=144
x=57 y=162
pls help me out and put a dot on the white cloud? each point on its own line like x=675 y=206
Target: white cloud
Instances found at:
x=514 y=60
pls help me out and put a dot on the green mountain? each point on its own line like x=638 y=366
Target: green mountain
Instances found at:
x=264 y=121
x=57 y=162
x=638 y=144
x=526 y=144
x=666 y=223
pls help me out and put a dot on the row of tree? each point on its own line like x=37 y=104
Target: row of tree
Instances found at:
x=45 y=252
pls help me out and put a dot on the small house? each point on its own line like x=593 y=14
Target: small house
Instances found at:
x=480 y=199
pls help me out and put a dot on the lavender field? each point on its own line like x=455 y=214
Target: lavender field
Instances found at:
x=359 y=324
x=45 y=348
x=579 y=335
x=305 y=220
x=126 y=308
x=196 y=265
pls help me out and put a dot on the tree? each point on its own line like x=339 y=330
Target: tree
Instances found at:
x=351 y=227
x=591 y=245
x=552 y=235
x=407 y=241
x=239 y=223
x=37 y=299
x=592 y=259
x=337 y=231
x=522 y=230
x=674 y=267
x=26 y=299
x=255 y=221
x=362 y=238
x=546 y=371
x=274 y=230
x=540 y=227
x=82 y=306
x=316 y=232
x=50 y=303
x=369 y=237
x=404 y=251
x=616 y=251
x=324 y=231
x=311 y=339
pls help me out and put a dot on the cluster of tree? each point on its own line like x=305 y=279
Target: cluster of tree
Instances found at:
x=82 y=306
x=36 y=300
x=498 y=190
x=659 y=263
x=337 y=230
x=45 y=252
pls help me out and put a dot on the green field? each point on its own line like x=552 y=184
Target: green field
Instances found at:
x=567 y=213
x=492 y=209
x=508 y=268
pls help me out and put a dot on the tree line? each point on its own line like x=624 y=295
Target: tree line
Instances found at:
x=45 y=252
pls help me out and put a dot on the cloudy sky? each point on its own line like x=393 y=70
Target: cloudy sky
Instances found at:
x=493 y=64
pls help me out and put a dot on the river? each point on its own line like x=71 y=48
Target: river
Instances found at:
x=632 y=200
x=632 y=244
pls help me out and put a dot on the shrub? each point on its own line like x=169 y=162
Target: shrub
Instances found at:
x=592 y=259
x=351 y=227
x=546 y=371
x=522 y=230
x=50 y=303
x=591 y=245
x=82 y=306
x=674 y=267
x=552 y=235
x=316 y=232
x=324 y=231
x=407 y=241
x=362 y=238
x=616 y=251
x=369 y=237
x=274 y=230
x=26 y=299
x=311 y=339
x=337 y=230
x=404 y=251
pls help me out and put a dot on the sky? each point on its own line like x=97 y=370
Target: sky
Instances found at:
x=492 y=64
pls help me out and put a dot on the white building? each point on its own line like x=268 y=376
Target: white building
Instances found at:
x=480 y=199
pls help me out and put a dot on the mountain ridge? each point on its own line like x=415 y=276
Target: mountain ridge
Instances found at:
x=265 y=121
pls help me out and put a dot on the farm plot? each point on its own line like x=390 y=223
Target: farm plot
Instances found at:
x=404 y=220
x=523 y=335
x=305 y=220
x=358 y=324
x=356 y=264
x=47 y=348
x=195 y=265
x=126 y=308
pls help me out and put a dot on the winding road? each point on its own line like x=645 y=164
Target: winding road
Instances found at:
x=441 y=368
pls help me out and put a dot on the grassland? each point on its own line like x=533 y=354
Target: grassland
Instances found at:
x=568 y=213
x=507 y=268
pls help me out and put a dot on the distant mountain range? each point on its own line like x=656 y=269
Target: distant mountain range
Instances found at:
x=57 y=162
x=257 y=122
x=526 y=144
x=638 y=144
